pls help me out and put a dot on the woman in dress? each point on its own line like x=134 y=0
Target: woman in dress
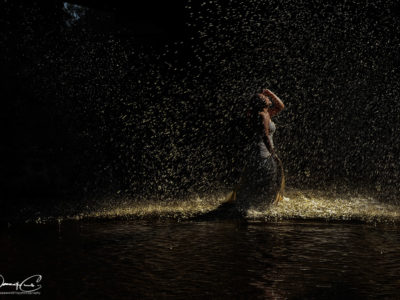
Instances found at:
x=262 y=179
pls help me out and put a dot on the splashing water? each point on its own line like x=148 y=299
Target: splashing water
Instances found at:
x=316 y=205
x=320 y=205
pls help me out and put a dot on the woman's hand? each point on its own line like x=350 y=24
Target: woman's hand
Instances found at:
x=267 y=93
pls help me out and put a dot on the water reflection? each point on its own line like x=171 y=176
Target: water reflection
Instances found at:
x=206 y=259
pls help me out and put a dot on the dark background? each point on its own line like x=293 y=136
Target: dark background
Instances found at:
x=148 y=99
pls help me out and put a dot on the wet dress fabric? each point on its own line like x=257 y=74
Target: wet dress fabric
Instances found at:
x=259 y=183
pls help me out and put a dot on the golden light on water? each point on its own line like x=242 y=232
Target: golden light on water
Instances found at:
x=309 y=204
x=316 y=204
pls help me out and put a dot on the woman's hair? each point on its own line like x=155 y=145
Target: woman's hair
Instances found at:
x=257 y=104
x=251 y=124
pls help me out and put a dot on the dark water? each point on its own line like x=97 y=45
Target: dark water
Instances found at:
x=125 y=260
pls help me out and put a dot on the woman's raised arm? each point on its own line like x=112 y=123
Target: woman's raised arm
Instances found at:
x=278 y=104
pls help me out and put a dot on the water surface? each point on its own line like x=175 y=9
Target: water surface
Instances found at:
x=170 y=259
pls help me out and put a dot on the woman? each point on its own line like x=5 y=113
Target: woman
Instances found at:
x=260 y=184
